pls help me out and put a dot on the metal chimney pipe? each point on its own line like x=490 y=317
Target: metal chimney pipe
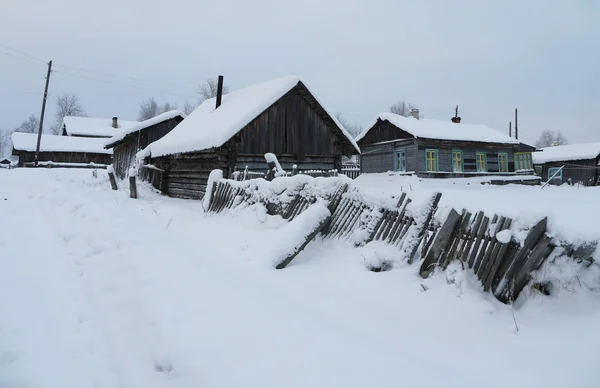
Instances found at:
x=219 y=91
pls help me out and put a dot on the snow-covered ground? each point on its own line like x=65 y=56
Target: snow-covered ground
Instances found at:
x=100 y=290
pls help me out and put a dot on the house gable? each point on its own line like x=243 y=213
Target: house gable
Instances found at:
x=383 y=131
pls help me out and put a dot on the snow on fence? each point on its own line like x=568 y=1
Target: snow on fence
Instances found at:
x=351 y=170
x=500 y=257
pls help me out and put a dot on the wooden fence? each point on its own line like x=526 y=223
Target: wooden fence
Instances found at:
x=481 y=243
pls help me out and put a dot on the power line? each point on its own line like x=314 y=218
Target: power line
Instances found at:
x=24 y=93
x=123 y=76
x=17 y=57
x=23 y=53
x=121 y=84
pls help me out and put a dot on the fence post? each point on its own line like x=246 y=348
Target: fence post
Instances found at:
x=132 y=183
x=111 y=177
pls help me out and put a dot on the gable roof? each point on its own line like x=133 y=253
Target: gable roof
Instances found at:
x=207 y=127
x=566 y=153
x=441 y=130
x=88 y=126
x=141 y=125
x=54 y=143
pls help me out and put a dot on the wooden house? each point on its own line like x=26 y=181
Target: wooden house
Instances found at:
x=93 y=127
x=5 y=163
x=573 y=163
x=439 y=149
x=236 y=130
x=134 y=138
x=60 y=151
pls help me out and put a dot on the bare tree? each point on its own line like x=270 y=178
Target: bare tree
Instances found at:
x=402 y=108
x=353 y=129
x=188 y=107
x=550 y=138
x=31 y=125
x=67 y=104
x=208 y=90
x=150 y=108
x=166 y=107
x=5 y=142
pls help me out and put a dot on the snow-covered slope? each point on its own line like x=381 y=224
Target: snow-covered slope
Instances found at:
x=100 y=290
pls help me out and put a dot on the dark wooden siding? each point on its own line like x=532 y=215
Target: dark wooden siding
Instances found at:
x=380 y=157
x=125 y=150
x=64 y=157
x=579 y=171
x=383 y=131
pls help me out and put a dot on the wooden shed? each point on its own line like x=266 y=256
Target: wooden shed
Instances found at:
x=60 y=151
x=573 y=163
x=438 y=149
x=134 y=138
x=280 y=116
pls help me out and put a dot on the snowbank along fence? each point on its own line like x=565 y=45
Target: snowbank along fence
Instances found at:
x=482 y=243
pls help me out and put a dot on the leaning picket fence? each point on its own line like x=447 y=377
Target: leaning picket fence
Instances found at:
x=481 y=243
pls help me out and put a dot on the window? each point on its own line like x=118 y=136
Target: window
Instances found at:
x=481 y=159
x=503 y=162
x=431 y=160
x=554 y=170
x=457 y=161
x=400 y=161
x=523 y=161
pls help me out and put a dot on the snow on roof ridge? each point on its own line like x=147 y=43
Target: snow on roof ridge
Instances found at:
x=54 y=143
x=441 y=130
x=208 y=127
x=567 y=152
x=93 y=126
x=143 y=125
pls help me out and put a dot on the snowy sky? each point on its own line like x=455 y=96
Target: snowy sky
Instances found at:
x=359 y=56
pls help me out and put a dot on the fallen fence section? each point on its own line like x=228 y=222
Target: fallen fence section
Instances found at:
x=334 y=209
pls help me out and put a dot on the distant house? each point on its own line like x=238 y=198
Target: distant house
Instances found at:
x=573 y=163
x=60 y=151
x=130 y=140
x=439 y=149
x=5 y=163
x=93 y=127
x=280 y=116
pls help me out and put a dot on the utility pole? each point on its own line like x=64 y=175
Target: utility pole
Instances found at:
x=510 y=129
x=516 y=124
x=39 y=139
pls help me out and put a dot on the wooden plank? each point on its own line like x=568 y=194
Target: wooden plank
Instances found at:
x=435 y=200
x=352 y=215
x=335 y=219
x=442 y=240
x=339 y=224
x=393 y=217
x=376 y=226
x=536 y=258
x=472 y=234
x=485 y=262
x=479 y=239
x=495 y=258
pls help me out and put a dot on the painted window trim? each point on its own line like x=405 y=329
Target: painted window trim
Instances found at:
x=477 y=161
x=526 y=160
x=396 y=152
x=505 y=160
x=559 y=176
x=437 y=160
x=462 y=160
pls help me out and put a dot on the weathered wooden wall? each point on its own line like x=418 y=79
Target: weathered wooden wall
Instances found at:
x=125 y=150
x=585 y=172
x=383 y=131
x=380 y=157
x=64 y=157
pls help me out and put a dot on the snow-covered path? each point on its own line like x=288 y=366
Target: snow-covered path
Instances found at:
x=99 y=290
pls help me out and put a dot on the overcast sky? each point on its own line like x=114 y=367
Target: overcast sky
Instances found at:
x=487 y=56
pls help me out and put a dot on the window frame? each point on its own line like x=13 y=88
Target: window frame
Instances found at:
x=525 y=161
x=484 y=160
x=435 y=152
x=505 y=154
x=396 y=153
x=462 y=161
x=559 y=176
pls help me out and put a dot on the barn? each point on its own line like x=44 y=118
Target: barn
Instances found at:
x=130 y=140
x=438 y=149
x=573 y=163
x=60 y=151
x=93 y=127
x=234 y=131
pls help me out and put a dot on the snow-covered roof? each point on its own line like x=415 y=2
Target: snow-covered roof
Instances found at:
x=207 y=127
x=442 y=130
x=567 y=152
x=88 y=126
x=141 y=125
x=54 y=143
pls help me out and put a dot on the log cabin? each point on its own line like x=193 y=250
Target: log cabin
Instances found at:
x=580 y=164
x=60 y=151
x=235 y=131
x=438 y=149
x=134 y=138
x=93 y=127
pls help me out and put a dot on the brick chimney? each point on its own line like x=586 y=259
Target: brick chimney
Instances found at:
x=414 y=113
x=115 y=122
x=455 y=120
